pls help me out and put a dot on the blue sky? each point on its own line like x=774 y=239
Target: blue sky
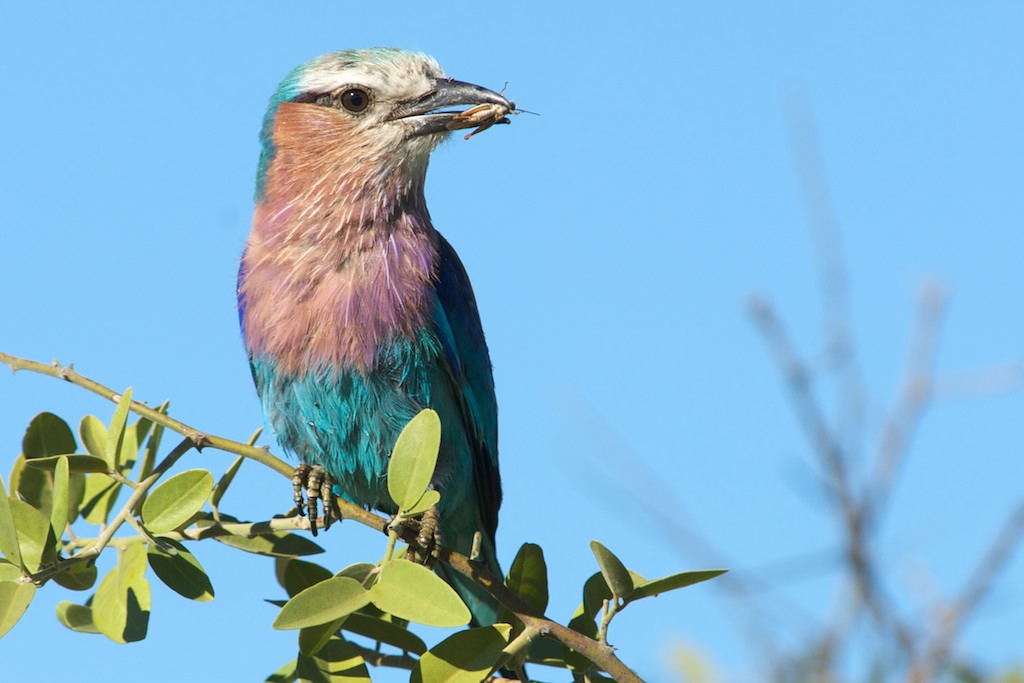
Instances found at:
x=613 y=242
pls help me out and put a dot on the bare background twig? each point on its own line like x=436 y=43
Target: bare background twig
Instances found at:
x=859 y=452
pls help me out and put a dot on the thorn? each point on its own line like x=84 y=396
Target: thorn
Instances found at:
x=64 y=371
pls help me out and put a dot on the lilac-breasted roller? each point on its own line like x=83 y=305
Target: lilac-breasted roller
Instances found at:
x=356 y=313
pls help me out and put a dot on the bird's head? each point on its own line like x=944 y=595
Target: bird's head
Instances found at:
x=366 y=112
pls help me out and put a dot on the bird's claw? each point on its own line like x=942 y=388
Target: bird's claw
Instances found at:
x=428 y=537
x=318 y=486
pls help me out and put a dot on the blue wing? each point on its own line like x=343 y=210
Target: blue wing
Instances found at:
x=457 y=323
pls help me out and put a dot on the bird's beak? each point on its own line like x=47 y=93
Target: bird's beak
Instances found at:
x=431 y=114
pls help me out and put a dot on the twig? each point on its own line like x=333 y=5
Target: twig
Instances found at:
x=838 y=482
x=984 y=381
x=200 y=439
x=610 y=609
x=93 y=551
x=914 y=397
x=214 y=530
x=519 y=645
x=642 y=491
x=982 y=579
x=598 y=653
x=375 y=658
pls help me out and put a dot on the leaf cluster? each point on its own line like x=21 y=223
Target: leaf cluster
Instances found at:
x=111 y=476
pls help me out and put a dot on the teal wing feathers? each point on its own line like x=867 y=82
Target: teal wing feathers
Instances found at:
x=457 y=323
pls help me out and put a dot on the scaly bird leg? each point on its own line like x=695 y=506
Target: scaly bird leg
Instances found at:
x=429 y=536
x=318 y=486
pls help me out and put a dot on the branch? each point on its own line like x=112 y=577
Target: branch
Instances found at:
x=981 y=582
x=601 y=655
x=200 y=439
x=214 y=530
x=127 y=511
x=834 y=461
x=375 y=658
x=914 y=397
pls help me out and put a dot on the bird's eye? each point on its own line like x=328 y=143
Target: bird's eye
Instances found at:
x=355 y=100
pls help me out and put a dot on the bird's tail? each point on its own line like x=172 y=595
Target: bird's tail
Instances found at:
x=459 y=533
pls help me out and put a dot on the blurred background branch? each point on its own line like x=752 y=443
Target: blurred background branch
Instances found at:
x=857 y=463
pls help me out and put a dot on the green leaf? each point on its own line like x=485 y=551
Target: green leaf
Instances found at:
x=322 y=603
x=121 y=605
x=128 y=450
x=528 y=577
x=15 y=597
x=337 y=662
x=358 y=571
x=225 y=481
x=35 y=537
x=298 y=575
x=115 y=434
x=615 y=573
x=174 y=502
x=596 y=591
x=8 y=535
x=76 y=490
x=77 y=463
x=76 y=617
x=313 y=638
x=428 y=500
x=547 y=652
x=79 y=576
x=93 y=434
x=10 y=572
x=581 y=622
x=46 y=435
x=384 y=632
x=413 y=459
x=181 y=572
x=142 y=427
x=669 y=583
x=281 y=544
x=411 y=591
x=33 y=486
x=99 y=497
x=277 y=544
x=153 y=445
x=286 y=674
x=59 y=512
x=255 y=436
x=465 y=657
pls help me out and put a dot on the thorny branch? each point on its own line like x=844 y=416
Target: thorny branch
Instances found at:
x=954 y=616
x=861 y=501
x=599 y=653
x=861 y=494
x=850 y=504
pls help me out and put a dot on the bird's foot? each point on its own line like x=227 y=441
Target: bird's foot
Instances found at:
x=428 y=538
x=318 y=486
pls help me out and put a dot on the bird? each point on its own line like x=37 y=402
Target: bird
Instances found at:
x=355 y=312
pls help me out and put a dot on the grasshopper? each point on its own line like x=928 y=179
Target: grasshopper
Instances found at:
x=483 y=116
